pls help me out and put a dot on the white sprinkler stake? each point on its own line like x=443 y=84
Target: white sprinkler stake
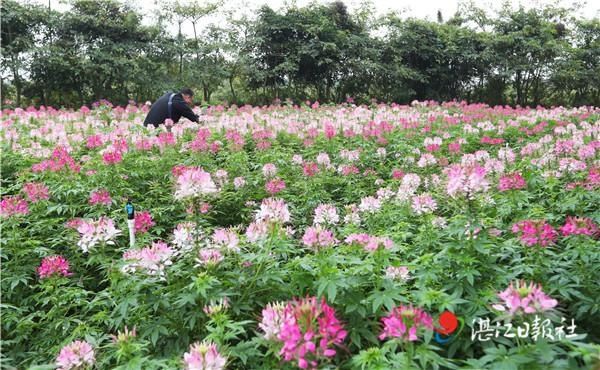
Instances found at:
x=131 y=226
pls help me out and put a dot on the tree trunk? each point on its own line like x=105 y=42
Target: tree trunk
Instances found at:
x=17 y=79
x=231 y=88
x=180 y=52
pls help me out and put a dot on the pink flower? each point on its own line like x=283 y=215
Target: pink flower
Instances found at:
x=323 y=160
x=513 y=181
x=209 y=257
x=368 y=242
x=185 y=235
x=310 y=169
x=326 y=214
x=194 y=182
x=423 y=204
x=397 y=174
x=316 y=237
x=53 y=265
x=350 y=155
x=348 y=170
x=273 y=210
x=11 y=205
x=309 y=331
x=466 y=180
x=369 y=204
x=491 y=141
x=151 y=260
x=59 y=159
x=203 y=356
x=535 y=232
x=227 y=239
x=256 y=231
x=124 y=337
x=454 y=147
x=275 y=186
x=95 y=232
x=410 y=184
x=522 y=298
x=580 y=226
x=75 y=355
x=143 y=222
x=239 y=182
x=94 y=141
x=273 y=317
x=403 y=322
x=216 y=307
x=36 y=191
x=112 y=157
x=166 y=139
x=100 y=197
x=235 y=139
x=269 y=170
x=397 y=273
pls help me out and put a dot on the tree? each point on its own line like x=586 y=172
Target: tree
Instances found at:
x=18 y=36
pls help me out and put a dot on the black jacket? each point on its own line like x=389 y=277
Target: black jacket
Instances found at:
x=159 y=111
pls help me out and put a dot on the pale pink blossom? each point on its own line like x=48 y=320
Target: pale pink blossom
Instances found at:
x=76 y=355
x=523 y=298
x=204 y=356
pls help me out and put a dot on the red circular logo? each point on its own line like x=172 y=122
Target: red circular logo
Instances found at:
x=448 y=323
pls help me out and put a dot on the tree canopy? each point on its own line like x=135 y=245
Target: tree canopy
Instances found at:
x=102 y=50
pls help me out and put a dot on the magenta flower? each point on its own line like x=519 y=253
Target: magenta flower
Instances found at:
x=77 y=355
x=275 y=186
x=310 y=169
x=112 y=157
x=535 y=232
x=11 y=205
x=307 y=329
x=59 y=160
x=36 y=191
x=580 y=226
x=53 y=265
x=513 y=181
x=143 y=222
x=522 y=298
x=101 y=196
x=203 y=356
x=94 y=141
x=404 y=322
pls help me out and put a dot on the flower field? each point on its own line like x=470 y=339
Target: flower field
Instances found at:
x=429 y=236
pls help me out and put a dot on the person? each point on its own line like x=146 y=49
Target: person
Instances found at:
x=173 y=106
